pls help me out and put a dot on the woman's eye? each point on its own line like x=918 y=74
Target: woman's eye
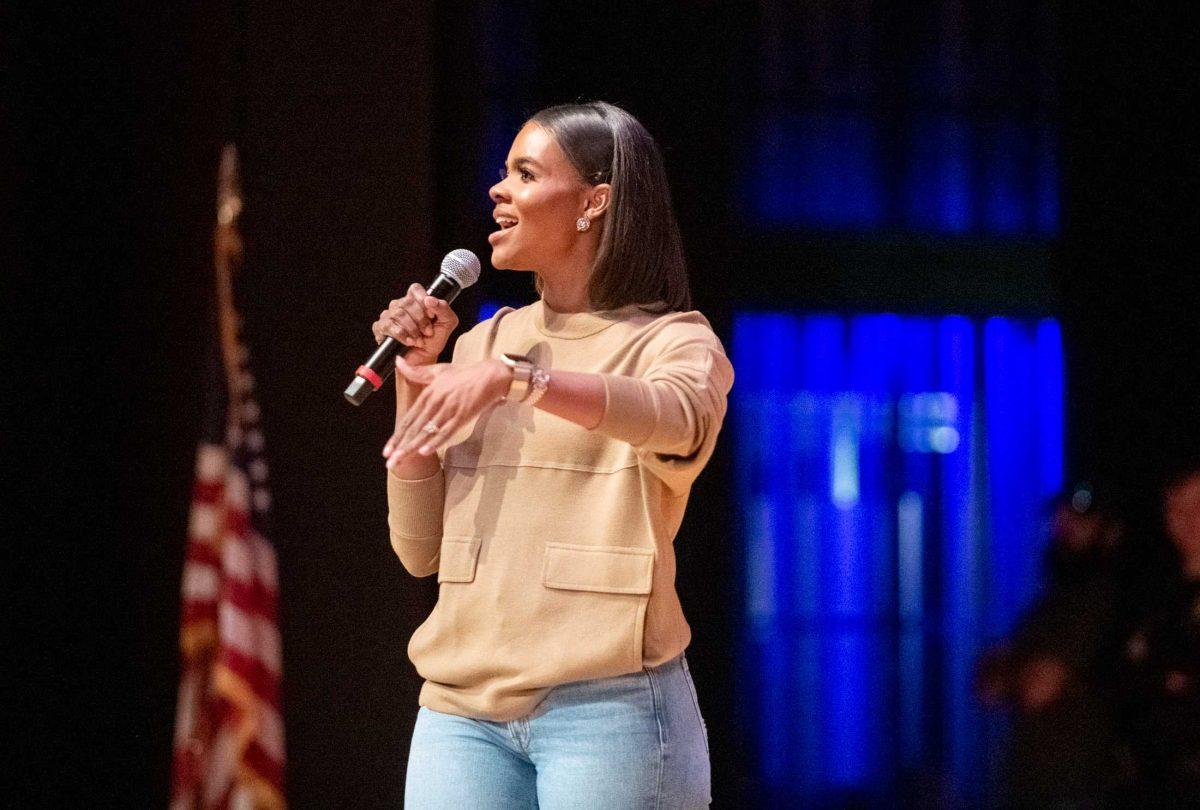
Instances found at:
x=525 y=175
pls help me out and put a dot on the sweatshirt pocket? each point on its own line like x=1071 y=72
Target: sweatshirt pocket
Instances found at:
x=458 y=556
x=599 y=595
x=603 y=569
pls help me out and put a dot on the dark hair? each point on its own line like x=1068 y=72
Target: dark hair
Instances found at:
x=640 y=258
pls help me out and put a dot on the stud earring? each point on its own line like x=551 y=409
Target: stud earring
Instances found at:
x=582 y=224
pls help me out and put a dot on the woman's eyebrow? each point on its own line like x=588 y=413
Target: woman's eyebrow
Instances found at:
x=522 y=162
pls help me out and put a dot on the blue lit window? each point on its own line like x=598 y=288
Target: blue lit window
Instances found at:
x=893 y=472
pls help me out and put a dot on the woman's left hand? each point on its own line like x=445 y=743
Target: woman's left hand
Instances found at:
x=453 y=396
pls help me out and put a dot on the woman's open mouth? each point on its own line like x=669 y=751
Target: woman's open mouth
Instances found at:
x=506 y=224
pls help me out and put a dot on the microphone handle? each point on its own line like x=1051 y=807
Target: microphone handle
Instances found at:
x=371 y=375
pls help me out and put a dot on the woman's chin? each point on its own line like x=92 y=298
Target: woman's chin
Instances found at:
x=501 y=260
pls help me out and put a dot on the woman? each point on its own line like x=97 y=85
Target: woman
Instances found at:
x=543 y=474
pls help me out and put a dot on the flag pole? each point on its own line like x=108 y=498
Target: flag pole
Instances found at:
x=227 y=255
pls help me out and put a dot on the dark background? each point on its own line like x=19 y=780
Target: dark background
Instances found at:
x=353 y=120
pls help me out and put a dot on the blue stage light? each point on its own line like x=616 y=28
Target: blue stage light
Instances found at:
x=893 y=471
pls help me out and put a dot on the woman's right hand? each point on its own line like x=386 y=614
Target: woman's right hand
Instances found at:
x=419 y=321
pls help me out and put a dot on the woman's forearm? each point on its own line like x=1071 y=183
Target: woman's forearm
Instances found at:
x=575 y=396
x=645 y=413
x=671 y=413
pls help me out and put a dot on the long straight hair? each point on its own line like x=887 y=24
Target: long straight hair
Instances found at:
x=640 y=257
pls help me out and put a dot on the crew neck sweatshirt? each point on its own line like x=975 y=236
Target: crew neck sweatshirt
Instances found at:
x=553 y=543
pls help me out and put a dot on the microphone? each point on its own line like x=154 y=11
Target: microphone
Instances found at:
x=460 y=269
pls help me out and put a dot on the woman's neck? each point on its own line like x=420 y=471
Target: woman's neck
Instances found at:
x=565 y=301
x=565 y=289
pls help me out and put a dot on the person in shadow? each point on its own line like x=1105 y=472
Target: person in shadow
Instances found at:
x=1053 y=672
x=1159 y=674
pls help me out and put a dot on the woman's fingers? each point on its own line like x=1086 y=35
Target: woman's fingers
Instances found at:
x=405 y=427
x=425 y=424
x=405 y=327
x=451 y=397
x=399 y=437
x=427 y=399
x=415 y=305
x=415 y=312
x=435 y=441
x=420 y=412
x=396 y=442
x=442 y=426
x=417 y=320
x=410 y=436
x=421 y=375
x=397 y=322
x=443 y=316
x=382 y=327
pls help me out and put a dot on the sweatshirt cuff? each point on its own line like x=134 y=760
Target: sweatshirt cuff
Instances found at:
x=415 y=506
x=630 y=409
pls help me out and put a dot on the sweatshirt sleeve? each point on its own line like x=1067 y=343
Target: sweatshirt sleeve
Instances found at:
x=673 y=412
x=415 y=512
x=415 y=521
x=415 y=506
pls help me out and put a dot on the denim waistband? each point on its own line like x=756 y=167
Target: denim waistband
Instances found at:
x=679 y=660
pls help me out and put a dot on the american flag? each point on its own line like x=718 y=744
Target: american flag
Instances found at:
x=229 y=750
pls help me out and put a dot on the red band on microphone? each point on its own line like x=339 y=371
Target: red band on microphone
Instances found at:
x=370 y=376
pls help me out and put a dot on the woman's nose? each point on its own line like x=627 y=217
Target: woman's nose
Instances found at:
x=497 y=192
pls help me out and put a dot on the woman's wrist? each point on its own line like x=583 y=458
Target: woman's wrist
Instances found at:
x=576 y=396
x=500 y=378
x=407 y=392
x=417 y=357
x=527 y=381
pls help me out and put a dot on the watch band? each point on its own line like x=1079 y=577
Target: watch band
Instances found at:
x=529 y=380
x=539 y=381
x=522 y=367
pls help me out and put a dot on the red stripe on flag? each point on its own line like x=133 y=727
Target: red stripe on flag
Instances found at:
x=271 y=771
x=203 y=553
x=254 y=672
x=196 y=610
x=238 y=521
x=251 y=597
x=208 y=492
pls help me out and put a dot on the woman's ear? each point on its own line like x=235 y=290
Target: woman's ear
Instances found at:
x=598 y=199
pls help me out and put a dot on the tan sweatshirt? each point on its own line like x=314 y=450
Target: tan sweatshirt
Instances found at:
x=553 y=543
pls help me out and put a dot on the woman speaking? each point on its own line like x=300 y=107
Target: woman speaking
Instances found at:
x=543 y=474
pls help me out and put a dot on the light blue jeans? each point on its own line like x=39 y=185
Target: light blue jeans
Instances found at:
x=631 y=742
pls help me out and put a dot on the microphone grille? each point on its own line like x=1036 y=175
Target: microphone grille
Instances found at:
x=463 y=266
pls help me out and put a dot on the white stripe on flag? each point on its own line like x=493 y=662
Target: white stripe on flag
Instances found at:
x=201 y=582
x=252 y=636
x=249 y=558
x=270 y=732
x=202 y=523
